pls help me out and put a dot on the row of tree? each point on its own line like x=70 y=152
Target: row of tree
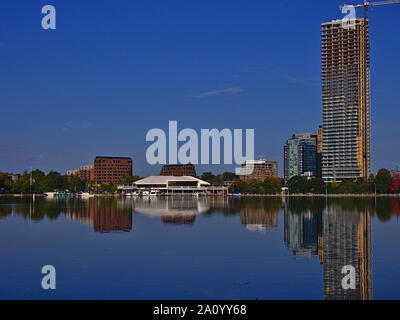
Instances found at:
x=37 y=181
x=253 y=186
x=220 y=178
x=383 y=182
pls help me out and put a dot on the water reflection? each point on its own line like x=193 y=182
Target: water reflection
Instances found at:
x=102 y=215
x=336 y=232
x=302 y=231
x=340 y=235
x=346 y=241
x=171 y=210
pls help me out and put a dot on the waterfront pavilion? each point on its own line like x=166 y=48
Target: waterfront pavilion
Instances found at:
x=168 y=185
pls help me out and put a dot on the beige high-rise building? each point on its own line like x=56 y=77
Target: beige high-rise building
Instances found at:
x=259 y=169
x=345 y=76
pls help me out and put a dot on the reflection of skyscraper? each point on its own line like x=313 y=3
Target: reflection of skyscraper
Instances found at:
x=258 y=218
x=346 y=241
x=105 y=216
x=109 y=219
x=301 y=232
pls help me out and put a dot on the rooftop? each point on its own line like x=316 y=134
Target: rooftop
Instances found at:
x=165 y=179
x=101 y=157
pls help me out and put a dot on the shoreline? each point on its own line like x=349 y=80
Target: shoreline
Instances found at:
x=339 y=195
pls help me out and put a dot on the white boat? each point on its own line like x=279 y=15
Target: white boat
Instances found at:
x=50 y=194
x=58 y=194
x=85 y=195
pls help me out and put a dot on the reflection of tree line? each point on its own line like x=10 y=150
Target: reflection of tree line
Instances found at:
x=102 y=213
x=339 y=232
x=251 y=209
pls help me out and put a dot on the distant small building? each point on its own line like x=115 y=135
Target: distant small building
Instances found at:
x=308 y=174
x=178 y=170
x=13 y=177
x=259 y=169
x=85 y=172
x=72 y=173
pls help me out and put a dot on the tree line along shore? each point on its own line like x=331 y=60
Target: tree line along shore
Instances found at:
x=382 y=184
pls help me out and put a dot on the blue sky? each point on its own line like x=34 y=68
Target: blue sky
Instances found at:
x=112 y=70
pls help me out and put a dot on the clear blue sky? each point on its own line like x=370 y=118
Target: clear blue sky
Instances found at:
x=112 y=70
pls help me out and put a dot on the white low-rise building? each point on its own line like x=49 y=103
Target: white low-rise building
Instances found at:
x=166 y=185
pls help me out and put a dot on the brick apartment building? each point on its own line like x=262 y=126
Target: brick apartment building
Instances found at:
x=85 y=172
x=178 y=170
x=110 y=169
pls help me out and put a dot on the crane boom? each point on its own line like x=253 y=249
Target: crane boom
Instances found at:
x=367 y=4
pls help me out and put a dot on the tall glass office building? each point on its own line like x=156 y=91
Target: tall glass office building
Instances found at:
x=345 y=100
x=300 y=155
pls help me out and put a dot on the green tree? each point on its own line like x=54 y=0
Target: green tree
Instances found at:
x=383 y=180
x=6 y=183
x=298 y=184
x=108 y=187
x=37 y=176
x=317 y=185
x=53 y=181
x=254 y=186
x=334 y=188
x=226 y=176
x=208 y=177
x=272 y=185
x=128 y=179
x=75 y=184
x=22 y=183
x=363 y=186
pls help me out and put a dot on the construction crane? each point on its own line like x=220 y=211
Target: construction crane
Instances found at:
x=367 y=4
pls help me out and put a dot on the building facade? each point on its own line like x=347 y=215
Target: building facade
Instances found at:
x=345 y=76
x=110 y=169
x=300 y=155
x=259 y=169
x=319 y=152
x=178 y=170
x=85 y=172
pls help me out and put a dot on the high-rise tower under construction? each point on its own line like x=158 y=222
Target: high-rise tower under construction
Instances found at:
x=345 y=100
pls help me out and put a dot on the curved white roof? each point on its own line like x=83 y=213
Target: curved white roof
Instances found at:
x=165 y=179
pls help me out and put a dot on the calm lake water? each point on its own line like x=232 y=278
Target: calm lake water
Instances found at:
x=200 y=248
